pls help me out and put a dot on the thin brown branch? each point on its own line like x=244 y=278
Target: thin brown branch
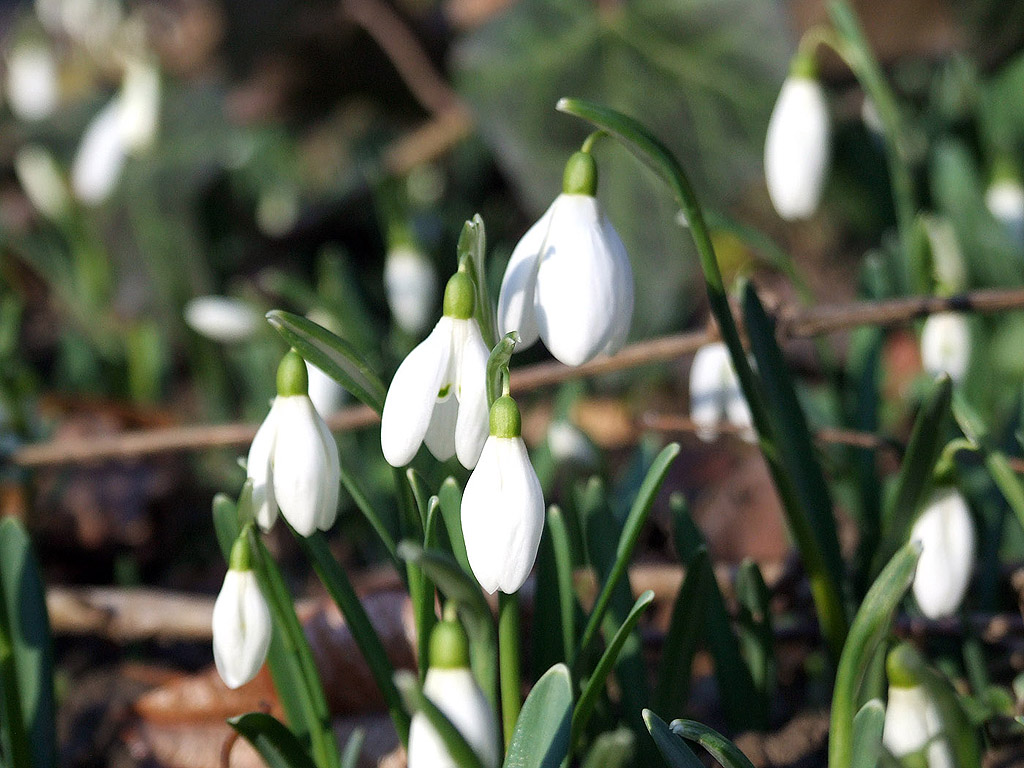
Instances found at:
x=792 y=324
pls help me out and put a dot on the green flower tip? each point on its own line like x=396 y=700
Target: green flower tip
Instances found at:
x=449 y=646
x=459 y=297
x=240 y=557
x=580 y=177
x=804 y=65
x=292 y=377
x=903 y=665
x=505 y=418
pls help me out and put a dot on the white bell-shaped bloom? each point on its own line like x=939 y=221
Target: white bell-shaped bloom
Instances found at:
x=410 y=284
x=715 y=394
x=1005 y=201
x=569 y=280
x=946 y=534
x=569 y=444
x=222 y=319
x=455 y=693
x=32 y=81
x=796 y=148
x=503 y=506
x=913 y=725
x=293 y=460
x=946 y=345
x=439 y=392
x=241 y=623
x=43 y=181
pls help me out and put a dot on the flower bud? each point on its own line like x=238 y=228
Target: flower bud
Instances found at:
x=32 y=81
x=241 y=621
x=222 y=319
x=715 y=394
x=913 y=730
x=43 y=181
x=1005 y=201
x=946 y=345
x=410 y=283
x=946 y=534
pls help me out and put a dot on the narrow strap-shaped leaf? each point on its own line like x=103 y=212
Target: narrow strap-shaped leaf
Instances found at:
x=870 y=627
x=420 y=492
x=541 y=736
x=28 y=722
x=560 y=546
x=755 y=625
x=425 y=606
x=275 y=743
x=370 y=645
x=685 y=630
x=451 y=510
x=371 y=515
x=588 y=698
x=868 y=724
x=719 y=747
x=914 y=478
x=627 y=541
x=331 y=354
x=672 y=748
x=963 y=737
x=353 y=748
x=417 y=701
x=225 y=522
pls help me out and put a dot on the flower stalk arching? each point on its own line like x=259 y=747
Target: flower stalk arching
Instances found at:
x=825 y=585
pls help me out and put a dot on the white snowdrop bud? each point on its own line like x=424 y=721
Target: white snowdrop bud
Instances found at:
x=139 y=103
x=715 y=394
x=32 y=80
x=222 y=319
x=946 y=345
x=569 y=280
x=946 y=534
x=913 y=725
x=1005 y=201
x=241 y=622
x=100 y=158
x=797 y=145
x=43 y=181
x=568 y=443
x=410 y=283
x=293 y=460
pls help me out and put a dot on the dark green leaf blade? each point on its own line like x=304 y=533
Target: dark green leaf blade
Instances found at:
x=720 y=748
x=541 y=736
x=275 y=743
x=672 y=748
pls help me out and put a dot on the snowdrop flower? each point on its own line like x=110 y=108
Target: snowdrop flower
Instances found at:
x=293 y=460
x=222 y=319
x=569 y=280
x=43 y=181
x=140 y=103
x=451 y=686
x=913 y=725
x=715 y=393
x=410 y=283
x=32 y=82
x=439 y=393
x=1005 y=201
x=326 y=394
x=503 y=506
x=569 y=444
x=796 y=147
x=241 y=621
x=946 y=534
x=946 y=345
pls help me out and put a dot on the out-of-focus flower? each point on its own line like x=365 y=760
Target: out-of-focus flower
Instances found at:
x=715 y=394
x=947 y=261
x=569 y=280
x=410 y=283
x=796 y=147
x=913 y=725
x=946 y=534
x=439 y=392
x=32 y=80
x=293 y=460
x=91 y=23
x=569 y=444
x=43 y=181
x=946 y=345
x=1005 y=201
x=327 y=395
x=223 y=319
x=277 y=210
x=241 y=621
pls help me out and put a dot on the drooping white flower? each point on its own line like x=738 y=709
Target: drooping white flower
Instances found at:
x=569 y=279
x=451 y=686
x=42 y=180
x=1005 y=201
x=946 y=345
x=568 y=443
x=293 y=460
x=140 y=103
x=32 y=80
x=946 y=534
x=796 y=147
x=410 y=283
x=241 y=622
x=92 y=23
x=913 y=725
x=715 y=394
x=222 y=319
x=503 y=505
x=439 y=392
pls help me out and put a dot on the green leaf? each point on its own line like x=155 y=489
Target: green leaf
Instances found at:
x=611 y=749
x=541 y=736
x=331 y=354
x=672 y=748
x=225 y=522
x=460 y=750
x=372 y=516
x=450 y=496
x=870 y=627
x=28 y=722
x=868 y=724
x=755 y=626
x=719 y=747
x=275 y=743
x=684 y=633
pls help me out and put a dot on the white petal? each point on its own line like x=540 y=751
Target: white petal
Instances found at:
x=455 y=693
x=100 y=157
x=707 y=397
x=906 y=727
x=413 y=394
x=946 y=345
x=259 y=470
x=327 y=395
x=440 y=437
x=568 y=443
x=623 y=278
x=222 y=319
x=471 y=390
x=300 y=464
x=140 y=104
x=241 y=629
x=796 y=149
x=946 y=534
x=519 y=285
x=1005 y=201
x=502 y=515
x=410 y=284
x=32 y=81
x=331 y=479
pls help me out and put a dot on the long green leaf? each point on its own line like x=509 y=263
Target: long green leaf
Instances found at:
x=26 y=655
x=331 y=354
x=567 y=606
x=672 y=748
x=451 y=510
x=372 y=516
x=868 y=724
x=417 y=701
x=225 y=522
x=684 y=633
x=870 y=627
x=755 y=626
x=719 y=747
x=275 y=743
x=541 y=736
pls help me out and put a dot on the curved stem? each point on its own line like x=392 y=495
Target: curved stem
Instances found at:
x=591 y=140
x=508 y=662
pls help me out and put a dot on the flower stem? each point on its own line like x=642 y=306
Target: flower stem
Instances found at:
x=508 y=661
